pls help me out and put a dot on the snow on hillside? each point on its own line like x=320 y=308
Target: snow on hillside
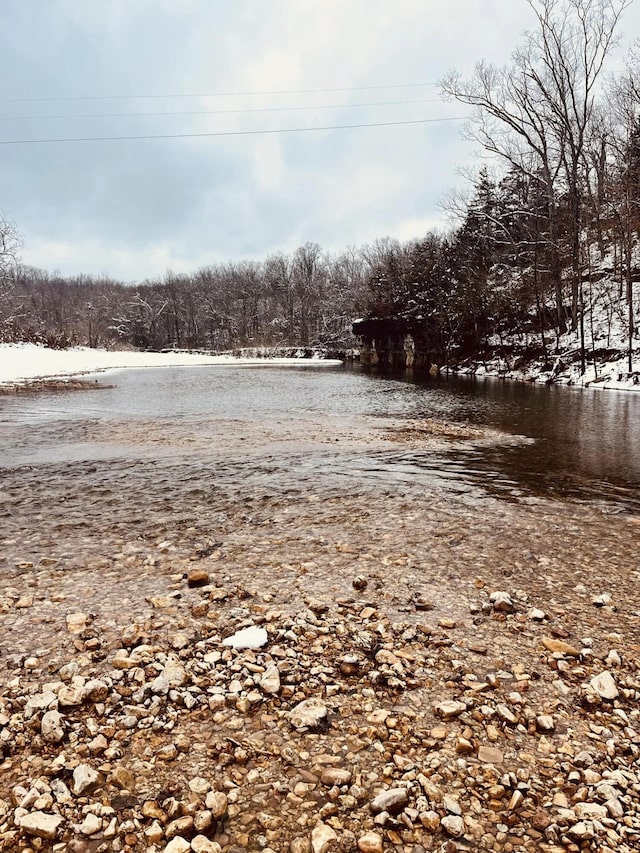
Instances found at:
x=21 y=363
x=606 y=346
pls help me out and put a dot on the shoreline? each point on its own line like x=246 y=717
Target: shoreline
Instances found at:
x=22 y=364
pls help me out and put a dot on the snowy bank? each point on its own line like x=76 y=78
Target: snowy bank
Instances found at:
x=20 y=363
x=606 y=353
x=610 y=374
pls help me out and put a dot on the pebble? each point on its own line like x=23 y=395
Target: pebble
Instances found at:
x=197 y=578
x=41 y=825
x=322 y=838
x=91 y=824
x=178 y=845
x=52 y=727
x=76 y=622
x=605 y=686
x=201 y=844
x=336 y=776
x=490 y=755
x=84 y=779
x=450 y=709
x=392 y=801
x=270 y=681
x=560 y=647
x=217 y=803
x=453 y=825
x=502 y=602
x=370 y=842
x=451 y=805
x=545 y=723
x=309 y=714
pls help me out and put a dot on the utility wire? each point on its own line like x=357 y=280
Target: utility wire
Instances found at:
x=214 y=94
x=227 y=132
x=223 y=112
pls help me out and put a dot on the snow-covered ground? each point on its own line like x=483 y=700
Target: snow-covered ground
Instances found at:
x=21 y=363
x=606 y=346
x=613 y=375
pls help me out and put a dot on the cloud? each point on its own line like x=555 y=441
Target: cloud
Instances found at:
x=135 y=208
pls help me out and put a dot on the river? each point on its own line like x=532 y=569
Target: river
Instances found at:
x=573 y=444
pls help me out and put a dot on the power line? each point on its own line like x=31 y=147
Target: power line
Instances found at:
x=227 y=132
x=222 y=112
x=214 y=94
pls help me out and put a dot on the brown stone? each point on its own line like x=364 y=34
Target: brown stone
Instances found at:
x=490 y=755
x=560 y=647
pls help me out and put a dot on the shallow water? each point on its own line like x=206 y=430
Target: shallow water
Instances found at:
x=558 y=442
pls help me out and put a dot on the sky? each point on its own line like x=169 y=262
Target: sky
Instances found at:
x=135 y=208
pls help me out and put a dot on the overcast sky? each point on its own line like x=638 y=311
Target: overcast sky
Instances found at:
x=135 y=208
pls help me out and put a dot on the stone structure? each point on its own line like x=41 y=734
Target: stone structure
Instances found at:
x=391 y=343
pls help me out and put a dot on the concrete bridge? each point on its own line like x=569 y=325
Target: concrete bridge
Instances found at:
x=391 y=343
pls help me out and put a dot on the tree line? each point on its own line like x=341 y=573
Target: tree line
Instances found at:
x=546 y=238
x=300 y=299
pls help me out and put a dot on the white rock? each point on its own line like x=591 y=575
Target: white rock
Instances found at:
x=91 y=824
x=96 y=690
x=60 y=791
x=322 y=837
x=84 y=778
x=545 y=723
x=249 y=638
x=505 y=714
x=201 y=844
x=615 y=808
x=449 y=709
x=537 y=615
x=502 y=602
x=41 y=825
x=76 y=622
x=52 y=727
x=613 y=658
x=39 y=702
x=453 y=825
x=309 y=714
x=582 y=831
x=217 y=803
x=199 y=785
x=451 y=805
x=605 y=686
x=178 y=845
x=71 y=696
x=270 y=681
x=370 y=842
x=173 y=675
x=590 y=811
x=392 y=801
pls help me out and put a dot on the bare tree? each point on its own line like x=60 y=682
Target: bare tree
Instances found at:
x=535 y=113
x=10 y=244
x=623 y=190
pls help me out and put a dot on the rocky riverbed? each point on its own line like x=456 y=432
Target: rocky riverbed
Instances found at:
x=240 y=655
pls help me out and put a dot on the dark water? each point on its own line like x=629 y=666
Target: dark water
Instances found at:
x=579 y=445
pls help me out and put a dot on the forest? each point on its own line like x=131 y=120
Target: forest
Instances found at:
x=543 y=246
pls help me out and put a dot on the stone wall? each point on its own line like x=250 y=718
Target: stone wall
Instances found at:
x=391 y=344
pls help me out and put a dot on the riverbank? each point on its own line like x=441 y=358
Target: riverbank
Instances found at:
x=608 y=372
x=30 y=364
x=524 y=359
x=431 y=670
